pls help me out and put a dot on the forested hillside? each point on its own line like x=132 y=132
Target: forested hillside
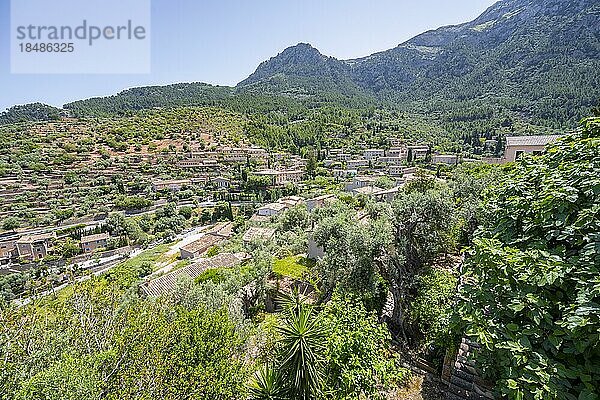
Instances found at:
x=535 y=60
x=29 y=112
x=530 y=296
x=524 y=67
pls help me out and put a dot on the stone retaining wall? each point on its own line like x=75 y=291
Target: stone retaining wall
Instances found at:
x=461 y=376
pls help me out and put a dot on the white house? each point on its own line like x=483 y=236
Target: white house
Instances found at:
x=222 y=182
x=387 y=195
x=343 y=156
x=281 y=177
x=373 y=154
x=392 y=160
x=367 y=190
x=517 y=145
x=272 y=209
x=291 y=200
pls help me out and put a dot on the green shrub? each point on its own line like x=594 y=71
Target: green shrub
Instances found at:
x=533 y=294
x=215 y=275
x=431 y=310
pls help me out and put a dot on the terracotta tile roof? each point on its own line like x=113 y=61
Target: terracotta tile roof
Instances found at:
x=166 y=284
x=258 y=233
x=35 y=238
x=200 y=245
x=539 y=140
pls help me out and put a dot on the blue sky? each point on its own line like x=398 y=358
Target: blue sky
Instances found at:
x=222 y=41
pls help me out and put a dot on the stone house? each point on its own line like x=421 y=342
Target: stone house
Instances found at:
x=200 y=246
x=318 y=202
x=450 y=159
x=395 y=170
x=357 y=163
x=91 y=243
x=8 y=248
x=34 y=247
x=173 y=185
x=518 y=145
x=373 y=154
x=282 y=177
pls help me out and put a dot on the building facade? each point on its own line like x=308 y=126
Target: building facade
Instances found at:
x=91 y=243
x=34 y=247
x=519 y=145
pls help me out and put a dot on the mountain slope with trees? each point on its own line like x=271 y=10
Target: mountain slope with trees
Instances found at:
x=522 y=62
x=29 y=112
x=539 y=59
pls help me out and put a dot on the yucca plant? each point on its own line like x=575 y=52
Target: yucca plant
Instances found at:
x=296 y=373
x=302 y=348
x=268 y=385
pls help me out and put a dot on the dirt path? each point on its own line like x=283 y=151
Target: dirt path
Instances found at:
x=422 y=387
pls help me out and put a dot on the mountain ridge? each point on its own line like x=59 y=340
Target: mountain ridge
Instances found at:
x=538 y=59
x=517 y=50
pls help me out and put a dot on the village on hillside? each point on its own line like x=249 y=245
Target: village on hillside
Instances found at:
x=300 y=200
x=222 y=183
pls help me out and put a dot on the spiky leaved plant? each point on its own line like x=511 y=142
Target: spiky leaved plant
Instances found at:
x=296 y=373
x=302 y=348
x=268 y=385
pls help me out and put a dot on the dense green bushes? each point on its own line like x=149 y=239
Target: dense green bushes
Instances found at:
x=132 y=203
x=99 y=340
x=532 y=298
x=29 y=112
x=431 y=310
x=341 y=352
x=358 y=353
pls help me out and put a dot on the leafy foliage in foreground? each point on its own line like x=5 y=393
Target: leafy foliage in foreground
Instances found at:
x=339 y=353
x=405 y=249
x=101 y=341
x=359 y=361
x=431 y=310
x=533 y=295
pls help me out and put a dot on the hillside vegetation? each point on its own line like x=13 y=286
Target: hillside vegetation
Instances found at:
x=530 y=297
x=532 y=293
